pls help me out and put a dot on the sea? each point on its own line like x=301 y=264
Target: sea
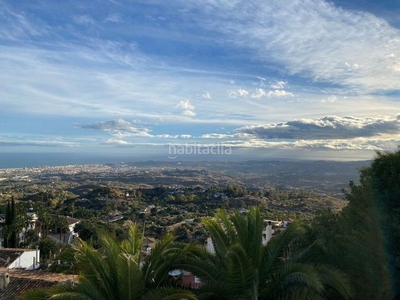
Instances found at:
x=28 y=160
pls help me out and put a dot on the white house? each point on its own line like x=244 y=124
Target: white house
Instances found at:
x=15 y=258
x=66 y=237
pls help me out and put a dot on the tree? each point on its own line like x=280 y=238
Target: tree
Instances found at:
x=384 y=174
x=61 y=224
x=116 y=271
x=86 y=230
x=47 y=246
x=353 y=241
x=45 y=220
x=243 y=268
x=31 y=238
x=11 y=230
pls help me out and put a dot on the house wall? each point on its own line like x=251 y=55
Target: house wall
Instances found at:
x=72 y=227
x=25 y=261
x=66 y=238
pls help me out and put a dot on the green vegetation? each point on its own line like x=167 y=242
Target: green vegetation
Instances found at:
x=363 y=239
x=11 y=226
x=385 y=178
x=116 y=271
x=242 y=268
x=348 y=250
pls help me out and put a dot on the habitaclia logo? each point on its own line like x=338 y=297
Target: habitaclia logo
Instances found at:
x=197 y=149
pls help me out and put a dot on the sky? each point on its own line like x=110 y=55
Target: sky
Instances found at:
x=253 y=79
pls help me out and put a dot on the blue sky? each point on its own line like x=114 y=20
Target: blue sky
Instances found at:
x=306 y=78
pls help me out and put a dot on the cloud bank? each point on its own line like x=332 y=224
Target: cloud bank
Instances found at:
x=118 y=127
x=329 y=127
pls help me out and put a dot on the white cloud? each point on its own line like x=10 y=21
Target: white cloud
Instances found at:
x=237 y=93
x=37 y=143
x=113 y=18
x=329 y=127
x=215 y=136
x=17 y=25
x=187 y=107
x=118 y=127
x=185 y=104
x=260 y=93
x=117 y=142
x=167 y=136
x=314 y=39
x=112 y=79
x=206 y=95
x=330 y=99
x=232 y=94
x=242 y=92
x=279 y=93
x=83 y=19
x=188 y=113
x=277 y=85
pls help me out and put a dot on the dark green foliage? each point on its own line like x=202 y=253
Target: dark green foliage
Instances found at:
x=385 y=178
x=243 y=268
x=90 y=230
x=10 y=231
x=31 y=238
x=118 y=271
x=48 y=246
x=353 y=242
x=364 y=238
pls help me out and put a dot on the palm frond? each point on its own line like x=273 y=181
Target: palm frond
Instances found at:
x=169 y=294
x=290 y=277
x=205 y=270
x=311 y=253
x=275 y=251
x=96 y=270
x=133 y=244
x=241 y=225
x=242 y=274
x=220 y=290
x=130 y=281
x=228 y=226
x=72 y=296
x=337 y=284
x=36 y=294
x=171 y=259
x=218 y=235
x=253 y=244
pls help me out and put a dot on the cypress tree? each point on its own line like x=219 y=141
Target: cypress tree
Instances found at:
x=13 y=237
x=10 y=233
x=7 y=226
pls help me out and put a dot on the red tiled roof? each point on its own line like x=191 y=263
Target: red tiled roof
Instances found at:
x=72 y=220
x=40 y=274
x=18 y=286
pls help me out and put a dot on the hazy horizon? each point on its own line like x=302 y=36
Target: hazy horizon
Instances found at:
x=21 y=160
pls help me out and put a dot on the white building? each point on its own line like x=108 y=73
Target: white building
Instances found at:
x=15 y=258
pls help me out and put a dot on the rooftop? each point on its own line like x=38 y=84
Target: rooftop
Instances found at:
x=8 y=255
x=22 y=280
x=40 y=275
x=18 y=286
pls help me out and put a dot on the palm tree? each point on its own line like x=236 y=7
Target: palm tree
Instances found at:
x=117 y=271
x=45 y=220
x=243 y=268
x=61 y=224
